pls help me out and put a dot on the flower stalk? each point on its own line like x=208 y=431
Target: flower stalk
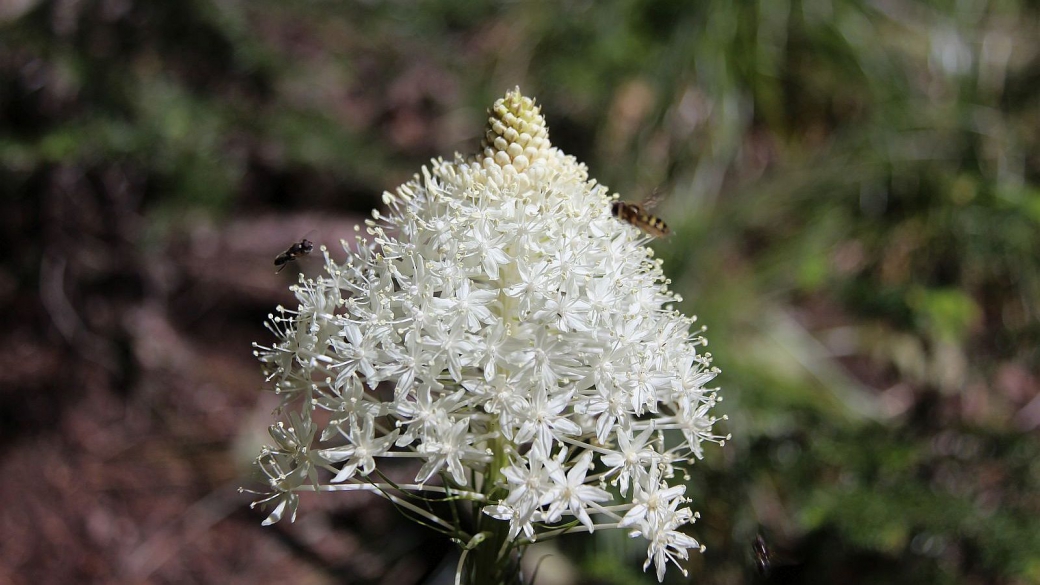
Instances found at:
x=499 y=326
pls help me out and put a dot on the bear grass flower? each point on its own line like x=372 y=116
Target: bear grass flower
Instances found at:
x=501 y=327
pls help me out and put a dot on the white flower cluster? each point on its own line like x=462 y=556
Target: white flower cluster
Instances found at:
x=503 y=328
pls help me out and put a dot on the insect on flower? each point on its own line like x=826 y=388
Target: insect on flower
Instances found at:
x=482 y=333
x=301 y=248
x=637 y=215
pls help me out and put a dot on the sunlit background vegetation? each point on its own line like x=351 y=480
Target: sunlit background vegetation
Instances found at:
x=853 y=186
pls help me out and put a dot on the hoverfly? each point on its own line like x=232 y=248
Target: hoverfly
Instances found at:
x=767 y=560
x=760 y=550
x=301 y=248
x=636 y=214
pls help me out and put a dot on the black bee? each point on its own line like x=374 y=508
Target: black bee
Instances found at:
x=301 y=248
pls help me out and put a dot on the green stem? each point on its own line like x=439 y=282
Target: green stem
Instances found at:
x=492 y=561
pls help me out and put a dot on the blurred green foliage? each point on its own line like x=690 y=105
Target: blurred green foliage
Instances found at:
x=854 y=189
